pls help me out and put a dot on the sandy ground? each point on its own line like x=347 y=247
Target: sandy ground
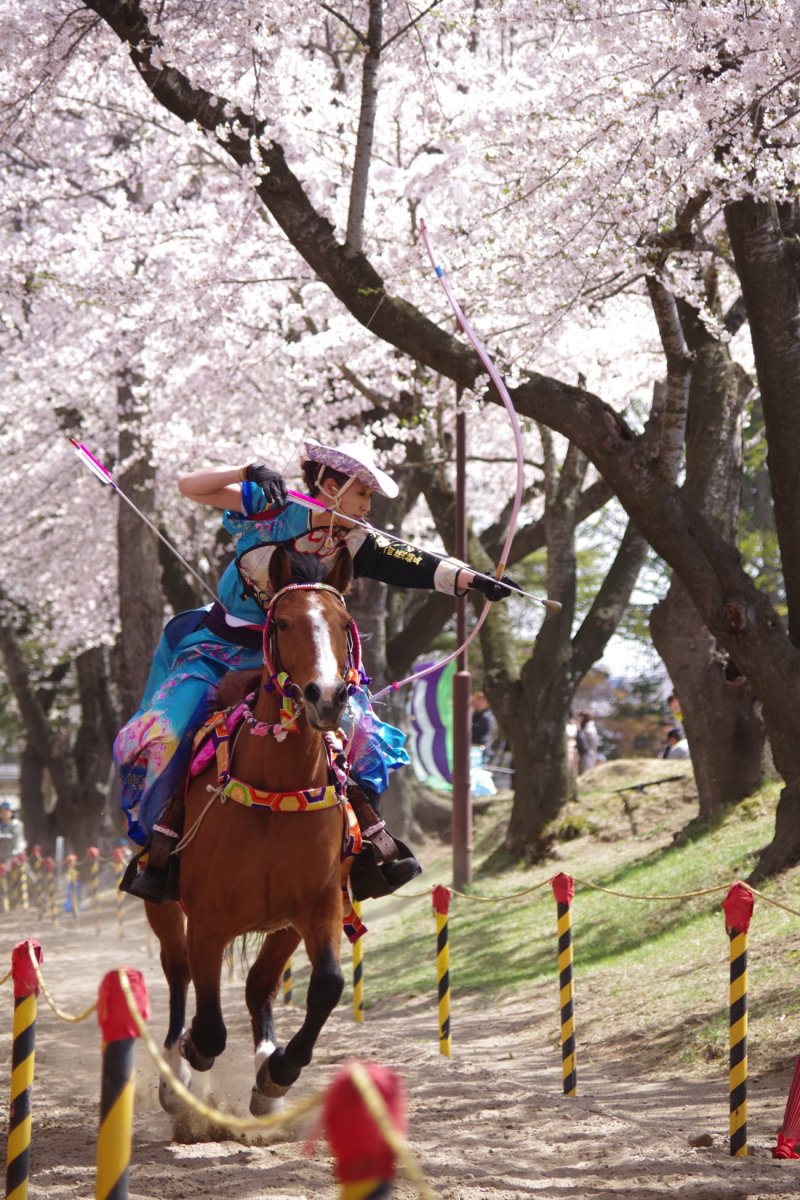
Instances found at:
x=490 y=1122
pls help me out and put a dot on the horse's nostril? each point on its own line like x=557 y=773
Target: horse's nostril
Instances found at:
x=312 y=693
x=341 y=694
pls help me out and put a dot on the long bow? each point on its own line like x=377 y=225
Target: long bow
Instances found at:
x=502 y=390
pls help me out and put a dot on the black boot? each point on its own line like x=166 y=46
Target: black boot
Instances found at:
x=158 y=880
x=384 y=863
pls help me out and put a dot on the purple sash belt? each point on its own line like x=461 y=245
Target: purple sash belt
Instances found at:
x=241 y=635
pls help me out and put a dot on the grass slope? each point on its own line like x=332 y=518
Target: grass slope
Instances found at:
x=651 y=976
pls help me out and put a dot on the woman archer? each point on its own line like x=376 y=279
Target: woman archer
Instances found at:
x=198 y=647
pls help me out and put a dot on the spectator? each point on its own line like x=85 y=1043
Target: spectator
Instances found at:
x=12 y=833
x=677 y=745
x=571 y=734
x=588 y=742
x=483 y=724
x=676 y=715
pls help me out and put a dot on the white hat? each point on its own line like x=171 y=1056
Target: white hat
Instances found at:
x=356 y=460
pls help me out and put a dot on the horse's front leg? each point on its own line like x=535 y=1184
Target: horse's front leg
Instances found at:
x=322 y=935
x=207 y=1035
x=167 y=923
x=263 y=981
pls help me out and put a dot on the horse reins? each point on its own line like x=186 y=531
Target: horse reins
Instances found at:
x=279 y=680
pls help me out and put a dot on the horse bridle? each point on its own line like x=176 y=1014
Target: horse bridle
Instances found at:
x=279 y=680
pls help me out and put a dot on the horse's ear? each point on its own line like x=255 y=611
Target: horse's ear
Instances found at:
x=340 y=576
x=280 y=569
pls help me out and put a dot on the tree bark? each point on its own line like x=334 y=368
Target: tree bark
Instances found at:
x=366 y=127
x=74 y=818
x=722 y=718
x=767 y=266
x=141 y=602
x=764 y=245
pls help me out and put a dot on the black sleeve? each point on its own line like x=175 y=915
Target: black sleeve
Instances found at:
x=397 y=563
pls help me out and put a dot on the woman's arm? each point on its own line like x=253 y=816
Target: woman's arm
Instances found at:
x=220 y=487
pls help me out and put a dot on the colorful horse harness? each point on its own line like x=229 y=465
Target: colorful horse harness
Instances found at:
x=213 y=741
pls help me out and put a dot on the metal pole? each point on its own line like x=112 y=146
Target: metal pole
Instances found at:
x=462 y=682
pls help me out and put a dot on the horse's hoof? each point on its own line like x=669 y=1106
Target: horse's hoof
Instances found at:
x=167 y=1098
x=193 y=1057
x=265 y=1104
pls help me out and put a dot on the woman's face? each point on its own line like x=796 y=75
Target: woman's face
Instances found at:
x=355 y=502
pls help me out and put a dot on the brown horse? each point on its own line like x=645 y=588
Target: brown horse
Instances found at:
x=246 y=869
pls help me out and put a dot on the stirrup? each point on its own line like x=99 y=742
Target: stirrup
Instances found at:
x=154 y=884
x=371 y=879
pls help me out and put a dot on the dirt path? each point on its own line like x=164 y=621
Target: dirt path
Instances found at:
x=488 y=1123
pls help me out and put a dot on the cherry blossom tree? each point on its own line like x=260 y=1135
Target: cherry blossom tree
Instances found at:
x=569 y=155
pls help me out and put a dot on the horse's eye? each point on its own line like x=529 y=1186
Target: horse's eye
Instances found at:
x=281 y=625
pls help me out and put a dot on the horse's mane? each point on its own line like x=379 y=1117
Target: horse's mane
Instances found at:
x=306 y=568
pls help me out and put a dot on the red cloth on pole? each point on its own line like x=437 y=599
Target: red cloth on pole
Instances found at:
x=738 y=908
x=22 y=972
x=354 y=1137
x=113 y=1015
x=563 y=888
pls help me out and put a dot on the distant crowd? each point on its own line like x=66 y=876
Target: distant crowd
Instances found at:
x=584 y=739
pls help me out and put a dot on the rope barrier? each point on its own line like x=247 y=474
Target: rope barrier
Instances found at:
x=597 y=887
x=722 y=887
x=371 y=1096
x=62 y=1016
x=225 y=1120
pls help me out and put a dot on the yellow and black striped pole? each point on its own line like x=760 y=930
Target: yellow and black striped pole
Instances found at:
x=358 y=971
x=119 y=1032
x=73 y=898
x=36 y=862
x=738 y=908
x=24 y=889
x=563 y=890
x=286 y=981
x=22 y=867
x=4 y=901
x=93 y=855
x=441 y=905
x=16 y=898
x=49 y=865
x=120 y=859
x=26 y=989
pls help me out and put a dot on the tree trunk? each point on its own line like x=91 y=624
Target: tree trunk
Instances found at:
x=534 y=721
x=141 y=602
x=723 y=721
x=721 y=716
x=766 y=263
x=92 y=746
x=40 y=826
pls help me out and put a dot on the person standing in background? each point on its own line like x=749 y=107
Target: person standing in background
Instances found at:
x=588 y=742
x=483 y=724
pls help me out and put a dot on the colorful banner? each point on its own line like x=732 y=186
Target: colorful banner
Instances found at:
x=431 y=715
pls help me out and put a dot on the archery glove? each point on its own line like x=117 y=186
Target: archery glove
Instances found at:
x=494 y=589
x=271 y=482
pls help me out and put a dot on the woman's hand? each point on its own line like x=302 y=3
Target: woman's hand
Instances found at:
x=494 y=589
x=271 y=482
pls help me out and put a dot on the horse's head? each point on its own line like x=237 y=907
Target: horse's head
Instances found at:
x=309 y=632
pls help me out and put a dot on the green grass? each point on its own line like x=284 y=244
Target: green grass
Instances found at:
x=651 y=977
